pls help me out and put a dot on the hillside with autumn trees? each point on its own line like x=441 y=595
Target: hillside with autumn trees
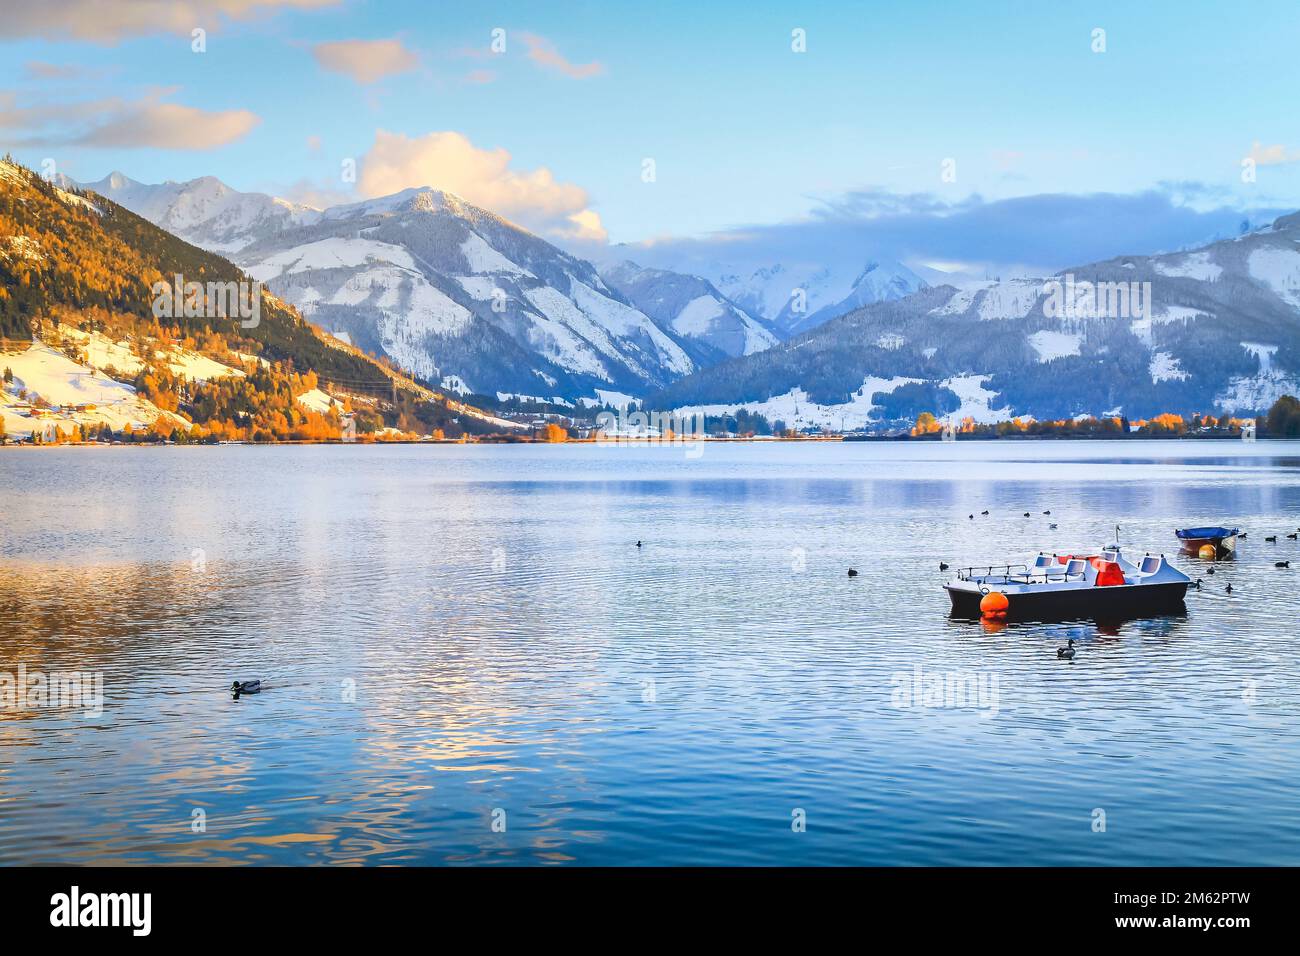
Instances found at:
x=81 y=345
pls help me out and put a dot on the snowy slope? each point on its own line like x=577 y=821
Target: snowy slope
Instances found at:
x=691 y=307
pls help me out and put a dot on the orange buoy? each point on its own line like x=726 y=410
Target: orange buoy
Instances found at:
x=994 y=604
x=1207 y=552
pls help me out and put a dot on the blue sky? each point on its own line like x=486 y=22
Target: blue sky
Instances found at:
x=742 y=129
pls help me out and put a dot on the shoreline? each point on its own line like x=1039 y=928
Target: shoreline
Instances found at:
x=764 y=440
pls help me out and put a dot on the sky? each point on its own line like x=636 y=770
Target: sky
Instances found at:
x=676 y=124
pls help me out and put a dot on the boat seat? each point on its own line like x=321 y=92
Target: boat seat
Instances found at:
x=1074 y=567
x=1152 y=562
x=1109 y=574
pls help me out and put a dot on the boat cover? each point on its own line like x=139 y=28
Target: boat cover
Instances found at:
x=1206 y=532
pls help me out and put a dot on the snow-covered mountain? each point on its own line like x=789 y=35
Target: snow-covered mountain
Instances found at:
x=878 y=282
x=448 y=291
x=205 y=211
x=1211 y=330
x=452 y=292
x=692 y=308
x=789 y=295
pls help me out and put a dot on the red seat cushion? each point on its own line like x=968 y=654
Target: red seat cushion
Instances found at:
x=1108 y=573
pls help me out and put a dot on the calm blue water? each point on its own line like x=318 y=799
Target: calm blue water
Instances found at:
x=457 y=635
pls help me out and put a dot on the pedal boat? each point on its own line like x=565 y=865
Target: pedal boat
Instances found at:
x=1108 y=584
x=1223 y=540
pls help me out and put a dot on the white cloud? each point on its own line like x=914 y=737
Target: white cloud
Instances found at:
x=543 y=52
x=127 y=124
x=448 y=160
x=1275 y=155
x=108 y=22
x=366 y=61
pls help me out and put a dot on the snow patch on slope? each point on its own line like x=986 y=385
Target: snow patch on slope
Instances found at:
x=976 y=400
x=333 y=253
x=1194 y=265
x=1050 y=344
x=698 y=316
x=1279 y=269
x=1010 y=300
x=481 y=258
x=1164 y=367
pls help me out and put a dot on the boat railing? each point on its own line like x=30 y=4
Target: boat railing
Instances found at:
x=1017 y=574
x=990 y=572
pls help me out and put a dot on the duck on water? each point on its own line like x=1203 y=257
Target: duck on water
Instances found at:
x=1110 y=582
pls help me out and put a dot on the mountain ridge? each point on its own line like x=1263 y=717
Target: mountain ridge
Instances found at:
x=1221 y=332
x=456 y=294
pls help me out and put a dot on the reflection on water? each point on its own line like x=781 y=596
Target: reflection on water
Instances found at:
x=455 y=637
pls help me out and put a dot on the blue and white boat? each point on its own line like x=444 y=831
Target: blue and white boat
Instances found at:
x=1223 y=540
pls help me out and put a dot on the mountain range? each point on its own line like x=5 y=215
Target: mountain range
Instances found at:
x=467 y=301
x=788 y=296
x=454 y=294
x=1218 y=332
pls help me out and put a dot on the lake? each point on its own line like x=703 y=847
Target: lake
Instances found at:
x=468 y=660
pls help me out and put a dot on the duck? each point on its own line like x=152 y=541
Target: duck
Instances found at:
x=638 y=544
x=1271 y=538
x=1067 y=652
x=1197 y=585
x=1209 y=570
x=245 y=687
x=1048 y=512
x=1282 y=564
x=1026 y=514
x=942 y=566
x=1051 y=526
x=1293 y=536
x=1228 y=588
x=853 y=573
x=972 y=517
x=984 y=512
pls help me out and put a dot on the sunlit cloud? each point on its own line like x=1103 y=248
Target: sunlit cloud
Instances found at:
x=447 y=160
x=107 y=22
x=366 y=61
x=125 y=124
x=543 y=52
x=1275 y=155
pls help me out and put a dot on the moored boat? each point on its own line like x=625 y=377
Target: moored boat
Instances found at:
x=1222 y=540
x=1105 y=584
